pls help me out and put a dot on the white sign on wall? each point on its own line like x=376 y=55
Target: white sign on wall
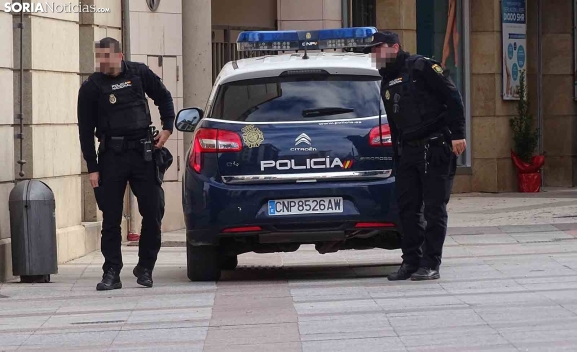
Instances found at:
x=514 y=29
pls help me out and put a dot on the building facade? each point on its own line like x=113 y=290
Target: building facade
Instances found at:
x=186 y=43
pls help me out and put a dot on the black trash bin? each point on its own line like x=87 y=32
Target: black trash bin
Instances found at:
x=33 y=229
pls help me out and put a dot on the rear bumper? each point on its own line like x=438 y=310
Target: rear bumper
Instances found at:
x=212 y=208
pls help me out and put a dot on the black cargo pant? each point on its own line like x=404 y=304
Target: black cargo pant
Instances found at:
x=116 y=170
x=424 y=180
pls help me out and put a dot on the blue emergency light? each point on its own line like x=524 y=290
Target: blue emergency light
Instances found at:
x=305 y=40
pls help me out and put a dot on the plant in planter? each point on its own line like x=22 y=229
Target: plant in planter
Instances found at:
x=525 y=138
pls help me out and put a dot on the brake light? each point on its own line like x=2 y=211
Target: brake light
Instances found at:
x=374 y=139
x=209 y=140
x=243 y=229
x=374 y=224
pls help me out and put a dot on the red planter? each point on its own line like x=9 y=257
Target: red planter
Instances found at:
x=528 y=175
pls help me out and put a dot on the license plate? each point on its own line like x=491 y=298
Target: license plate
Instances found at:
x=305 y=206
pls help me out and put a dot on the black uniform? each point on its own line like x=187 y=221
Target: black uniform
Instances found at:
x=116 y=107
x=425 y=112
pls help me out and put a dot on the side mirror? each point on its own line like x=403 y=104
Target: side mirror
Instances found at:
x=187 y=119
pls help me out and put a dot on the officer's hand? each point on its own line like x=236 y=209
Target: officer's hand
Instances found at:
x=94 y=177
x=161 y=138
x=459 y=146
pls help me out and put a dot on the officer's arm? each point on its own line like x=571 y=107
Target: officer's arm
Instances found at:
x=87 y=121
x=161 y=96
x=449 y=95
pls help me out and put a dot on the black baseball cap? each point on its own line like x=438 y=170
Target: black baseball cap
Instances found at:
x=380 y=38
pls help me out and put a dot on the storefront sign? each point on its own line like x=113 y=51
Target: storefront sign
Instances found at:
x=514 y=28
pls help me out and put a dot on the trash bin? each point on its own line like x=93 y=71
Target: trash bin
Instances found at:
x=33 y=230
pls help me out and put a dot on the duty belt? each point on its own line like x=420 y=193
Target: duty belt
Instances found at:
x=424 y=141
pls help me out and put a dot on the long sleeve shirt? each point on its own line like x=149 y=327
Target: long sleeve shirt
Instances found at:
x=87 y=109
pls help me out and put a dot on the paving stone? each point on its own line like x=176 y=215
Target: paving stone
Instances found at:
x=8 y=339
x=406 y=289
x=484 y=239
x=541 y=236
x=529 y=315
x=473 y=230
x=540 y=334
x=178 y=300
x=272 y=347
x=233 y=317
x=365 y=345
x=337 y=307
x=504 y=299
x=346 y=326
x=477 y=287
x=252 y=334
x=448 y=340
x=419 y=322
x=144 y=336
x=527 y=228
x=164 y=346
x=22 y=323
x=395 y=304
x=77 y=340
x=332 y=293
x=172 y=315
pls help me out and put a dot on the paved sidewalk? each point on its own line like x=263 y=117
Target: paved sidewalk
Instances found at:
x=503 y=288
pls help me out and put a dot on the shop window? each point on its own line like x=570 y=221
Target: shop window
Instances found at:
x=363 y=13
x=440 y=37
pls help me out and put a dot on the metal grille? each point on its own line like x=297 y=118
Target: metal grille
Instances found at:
x=224 y=49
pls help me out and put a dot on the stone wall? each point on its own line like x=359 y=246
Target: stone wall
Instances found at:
x=559 y=107
x=309 y=14
x=399 y=16
x=6 y=142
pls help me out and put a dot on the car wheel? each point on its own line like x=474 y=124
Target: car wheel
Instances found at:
x=228 y=262
x=202 y=263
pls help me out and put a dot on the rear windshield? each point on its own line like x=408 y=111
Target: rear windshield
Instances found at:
x=299 y=98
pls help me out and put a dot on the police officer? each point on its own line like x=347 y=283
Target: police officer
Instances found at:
x=425 y=113
x=113 y=107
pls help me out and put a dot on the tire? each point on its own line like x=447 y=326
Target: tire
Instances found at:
x=228 y=262
x=202 y=263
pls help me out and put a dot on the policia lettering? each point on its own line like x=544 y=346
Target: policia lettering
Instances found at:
x=113 y=106
x=426 y=114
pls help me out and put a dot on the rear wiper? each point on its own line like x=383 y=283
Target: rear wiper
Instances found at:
x=326 y=111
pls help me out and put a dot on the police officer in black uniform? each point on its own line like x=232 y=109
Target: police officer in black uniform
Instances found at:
x=113 y=107
x=426 y=116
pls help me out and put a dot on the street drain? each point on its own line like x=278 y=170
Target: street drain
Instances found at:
x=99 y=322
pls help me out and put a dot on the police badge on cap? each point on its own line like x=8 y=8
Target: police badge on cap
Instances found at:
x=112 y=99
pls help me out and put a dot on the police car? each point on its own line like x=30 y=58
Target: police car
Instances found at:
x=291 y=149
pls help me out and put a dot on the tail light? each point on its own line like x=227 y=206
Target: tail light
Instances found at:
x=381 y=136
x=208 y=140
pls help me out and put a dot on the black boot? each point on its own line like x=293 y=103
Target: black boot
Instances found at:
x=425 y=274
x=110 y=281
x=143 y=275
x=404 y=272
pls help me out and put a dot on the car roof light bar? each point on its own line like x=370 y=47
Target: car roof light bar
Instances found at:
x=341 y=38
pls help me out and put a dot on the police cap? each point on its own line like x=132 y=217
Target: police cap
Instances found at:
x=380 y=38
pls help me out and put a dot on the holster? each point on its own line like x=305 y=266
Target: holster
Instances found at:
x=163 y=159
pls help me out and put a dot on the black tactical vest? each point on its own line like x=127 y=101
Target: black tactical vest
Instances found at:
x=122 y=104
x=409 y=102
